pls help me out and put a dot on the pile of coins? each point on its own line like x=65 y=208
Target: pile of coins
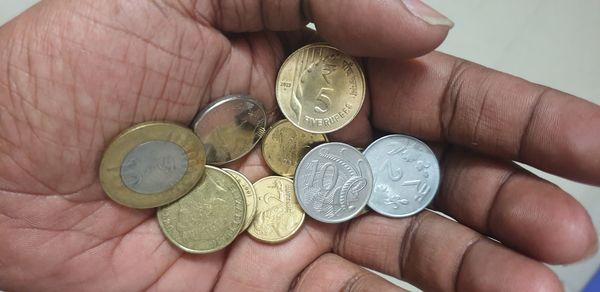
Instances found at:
x=202 y=208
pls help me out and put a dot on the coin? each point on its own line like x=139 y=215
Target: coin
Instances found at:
x=320 y=89
x=278 y=215
x=230 y=127
x=333 y=182
x=406 y=173
x=250 y=194
x=284 y=145
x=209 y=217
x=364 y=211
x=151 y=164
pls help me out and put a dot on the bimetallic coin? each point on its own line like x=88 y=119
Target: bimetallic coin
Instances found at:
x=285 y=144
x=230 y=127
x=278 y=215
x=407 y=175
x=333 y=182
x=320 y=89
x=250 y=194
x=208 y=218
x=152 y=164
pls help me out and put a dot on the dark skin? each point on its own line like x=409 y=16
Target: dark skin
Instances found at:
x=73 y=74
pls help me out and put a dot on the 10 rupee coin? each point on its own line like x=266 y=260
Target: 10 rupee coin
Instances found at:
x=151 y=164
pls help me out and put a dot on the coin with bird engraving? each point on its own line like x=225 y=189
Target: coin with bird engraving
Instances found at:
x=333 y=182
x=285 y=144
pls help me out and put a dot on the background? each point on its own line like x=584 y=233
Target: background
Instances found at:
x=551 y=42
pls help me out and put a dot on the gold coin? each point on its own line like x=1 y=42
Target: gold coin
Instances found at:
x=284 y=145
x=152 y=164
x=209 y=217
x=320 y=89
x=278 y=214
x=250 y=194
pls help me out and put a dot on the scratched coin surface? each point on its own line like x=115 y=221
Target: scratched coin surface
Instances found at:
x=285 y=144
x=249 y=193
x=278 y=215
x=230 y=127
x=333 y=182
x=208 y=218
x=407 y=175
x=151 y=164
x=320 y=89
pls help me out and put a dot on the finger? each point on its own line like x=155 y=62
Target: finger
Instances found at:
x=522 y=211
x=331 y=272
x=439 y=97
x=256 y=266
x=437 y=254
x=366 y=28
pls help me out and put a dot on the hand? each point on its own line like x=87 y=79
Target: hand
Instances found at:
x=73 y=74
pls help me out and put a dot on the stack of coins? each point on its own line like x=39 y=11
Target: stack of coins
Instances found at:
x=202 y=208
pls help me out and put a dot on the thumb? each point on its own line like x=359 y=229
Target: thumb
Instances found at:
x=369 y=28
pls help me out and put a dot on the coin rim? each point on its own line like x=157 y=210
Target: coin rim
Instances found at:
x=294 y=231
x=217 y=248
x=249 y=216
x=362 y=96
x=358 y=209
x=265 y=138
x=219 y=102
x=387 y=214
x=121 y=145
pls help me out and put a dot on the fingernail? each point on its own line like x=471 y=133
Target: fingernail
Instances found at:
x=423 y=11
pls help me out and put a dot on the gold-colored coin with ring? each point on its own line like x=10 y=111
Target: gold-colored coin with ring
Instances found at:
x=320 y=89
x=250 y=194
x=284 y=145
x=278 y=214
x=152 y=164
x=208 y=218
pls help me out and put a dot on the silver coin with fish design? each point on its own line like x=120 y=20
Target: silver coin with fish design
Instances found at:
x=407 y=175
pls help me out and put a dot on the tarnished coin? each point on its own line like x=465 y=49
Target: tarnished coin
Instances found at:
x=320 y=89
x=285 y=144
x=209 y=217
x=278 y=216
x=230 y=127
x=333 y=182
x=407 y=175
x=151 y=164
x=250 y=194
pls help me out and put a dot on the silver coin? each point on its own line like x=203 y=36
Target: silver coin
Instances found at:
x=333 y=182
x=407 y=175
x=154 y=167
x=230 y=127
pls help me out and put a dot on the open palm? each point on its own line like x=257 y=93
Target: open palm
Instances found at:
x=73 y=74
